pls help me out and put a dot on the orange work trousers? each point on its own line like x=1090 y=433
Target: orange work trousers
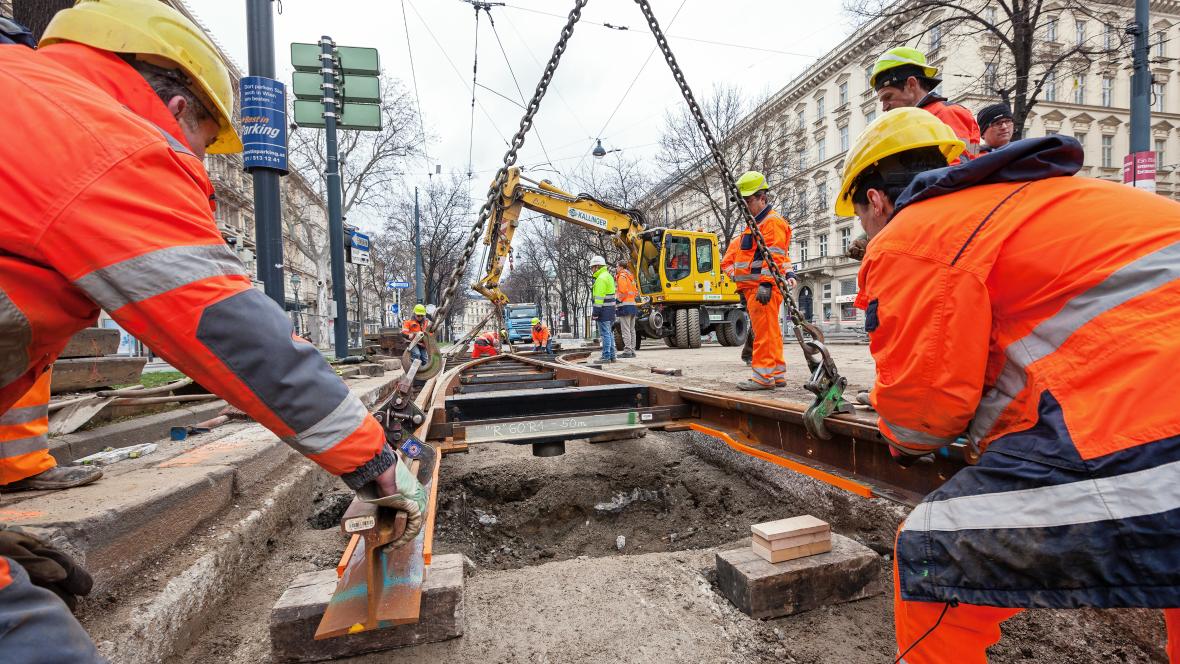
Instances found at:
x=768 y=362
x=968 y=630
x=24 y=434
x=478 y=351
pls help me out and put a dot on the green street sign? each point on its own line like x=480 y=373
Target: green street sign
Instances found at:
x=305 y=57
x=355 y=117
x=306 y=85
x=358 y=60
x=361 y=89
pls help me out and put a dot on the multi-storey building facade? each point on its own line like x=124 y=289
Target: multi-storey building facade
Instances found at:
x=822 y=111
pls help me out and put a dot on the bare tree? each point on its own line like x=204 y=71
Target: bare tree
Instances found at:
x=750 y=142
x=1027 y=47
x=305 y=225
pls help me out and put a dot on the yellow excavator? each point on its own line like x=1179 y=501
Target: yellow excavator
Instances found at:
x=684 y=295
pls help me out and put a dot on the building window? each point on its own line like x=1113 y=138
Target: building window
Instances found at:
x=871 y=115
x=989 y=77
x=803 y=251
x=802 y=119
x=821 y=149
x=1079 y=32
x=848 y=286
x=823 y=251
x=869 y=77
x=1051 y=29
x=1079 y=89
x=821 y=200
x=1160 y=146
x=845 y=239
x=1157 y=96
x=844 y=138
x=827 y=290
x=1051 y=85
x=1080 y=137
x=1159 y=44
x=848 y=311
x=935 y=37
x=1108 y=151
x=1107 y=91
x=819 y=109
x=844 y=93
x=1108 y=37
x=989 y=15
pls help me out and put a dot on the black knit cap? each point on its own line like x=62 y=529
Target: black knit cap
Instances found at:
x=990 y=114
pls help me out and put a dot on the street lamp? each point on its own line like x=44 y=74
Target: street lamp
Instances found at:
x=599 y=152
x=295 y=282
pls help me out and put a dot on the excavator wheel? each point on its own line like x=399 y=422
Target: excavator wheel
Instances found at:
x=686 y=325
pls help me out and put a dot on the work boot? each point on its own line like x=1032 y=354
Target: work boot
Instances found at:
x=749 y=385
x=604 y=360
x=627 y=353
x=58 y=477
x=780 y=382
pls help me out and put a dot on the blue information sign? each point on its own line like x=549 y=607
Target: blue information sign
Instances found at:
x=358 y=248
x=264 y=123
x=391 y=285
x=394 y=308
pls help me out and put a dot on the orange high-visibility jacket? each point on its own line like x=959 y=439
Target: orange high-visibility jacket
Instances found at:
x=106 y=207
x=958 y=118
x=1038 y=315
x=743 y=261
x=412 y=326
x=626 y=292
x=540 y=334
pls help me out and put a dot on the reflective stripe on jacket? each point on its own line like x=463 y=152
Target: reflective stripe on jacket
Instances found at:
x=625 y=282
x=1041 y=317
x=115 y=212
x=743 y=261
x=540 y=334
x=604 y=295
x=412 y=326
x=958 y=118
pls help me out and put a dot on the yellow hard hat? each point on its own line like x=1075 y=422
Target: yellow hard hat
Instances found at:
x=151 y=28
x=900 y=56
x=419 y=310
x=750 y=183
x=536 y=320
x=894 y=132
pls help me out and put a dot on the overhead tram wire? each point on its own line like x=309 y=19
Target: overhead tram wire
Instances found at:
x=629 y=87
x=536 y=129
x=577 y=118
x=414 y=77
x=474 y=84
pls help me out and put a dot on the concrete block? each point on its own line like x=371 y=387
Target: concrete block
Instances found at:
x=84 y=373
x=129 y=432
x=253 y=453
x=92 y=342
x=850 y=571
x=120 y=522
x=294 y=618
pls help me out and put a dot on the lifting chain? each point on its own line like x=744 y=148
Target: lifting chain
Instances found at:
x=826 y=382
x=526 y=123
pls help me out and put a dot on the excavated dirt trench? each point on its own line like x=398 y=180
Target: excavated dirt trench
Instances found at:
x=601 y=507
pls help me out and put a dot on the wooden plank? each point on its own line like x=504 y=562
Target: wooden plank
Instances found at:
x=431 y=508
x=92 y=342
x=790 y=542
x=792 y=527
x=783 y=555
x=92 y=372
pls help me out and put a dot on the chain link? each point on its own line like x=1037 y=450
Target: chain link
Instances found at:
x=526 y=123
x=816 y=356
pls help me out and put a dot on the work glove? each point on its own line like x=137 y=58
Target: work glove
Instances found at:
x=763 y=294
x=857 y=248
x=47 y=567
x=405 y=493
x=905 y=460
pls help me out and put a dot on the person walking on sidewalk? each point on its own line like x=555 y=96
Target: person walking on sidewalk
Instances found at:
x=603 y=312
x=115 y=213
x=1003 y=309
x=627 y=310
x=745 y=264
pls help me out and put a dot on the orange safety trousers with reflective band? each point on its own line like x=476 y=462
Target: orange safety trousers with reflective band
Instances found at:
x=484 y=345
x=24 y=429
x=767 y=361
x=743 y=261
x=115 y=212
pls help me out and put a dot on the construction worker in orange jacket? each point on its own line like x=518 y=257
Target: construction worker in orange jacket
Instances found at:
x=486 y=344
x=626 y=308
x=540 y=334
x=411 y=327
x=107 y=206
x=1009 y=322
x=745 y=264
x=902 y=77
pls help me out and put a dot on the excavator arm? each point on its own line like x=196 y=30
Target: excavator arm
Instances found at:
x=578 y=209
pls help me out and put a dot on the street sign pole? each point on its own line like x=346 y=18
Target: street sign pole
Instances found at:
x=268 y=238
x=419 y=285
x=335 y=219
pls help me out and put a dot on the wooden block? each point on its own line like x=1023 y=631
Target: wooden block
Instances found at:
x=782 y=555
x=761 y=589
x=792 y=527
x=294 y=618
x=92 y=342
x=87 y=373
x=791 y=542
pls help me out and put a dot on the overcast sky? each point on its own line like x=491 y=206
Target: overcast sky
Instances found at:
x=760 y=47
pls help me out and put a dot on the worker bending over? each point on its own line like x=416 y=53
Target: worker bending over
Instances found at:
x=541 y=336
x=412 y=326
x=1001 y=307
x=902 y=78
x=485 y=345
x=119 y=106
x=626 y=308
x=750 y=270
x=603 y=312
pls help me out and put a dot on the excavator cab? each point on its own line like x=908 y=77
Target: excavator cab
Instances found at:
x=679 y=266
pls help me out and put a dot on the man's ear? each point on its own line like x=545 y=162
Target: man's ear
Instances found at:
x=177 y=105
